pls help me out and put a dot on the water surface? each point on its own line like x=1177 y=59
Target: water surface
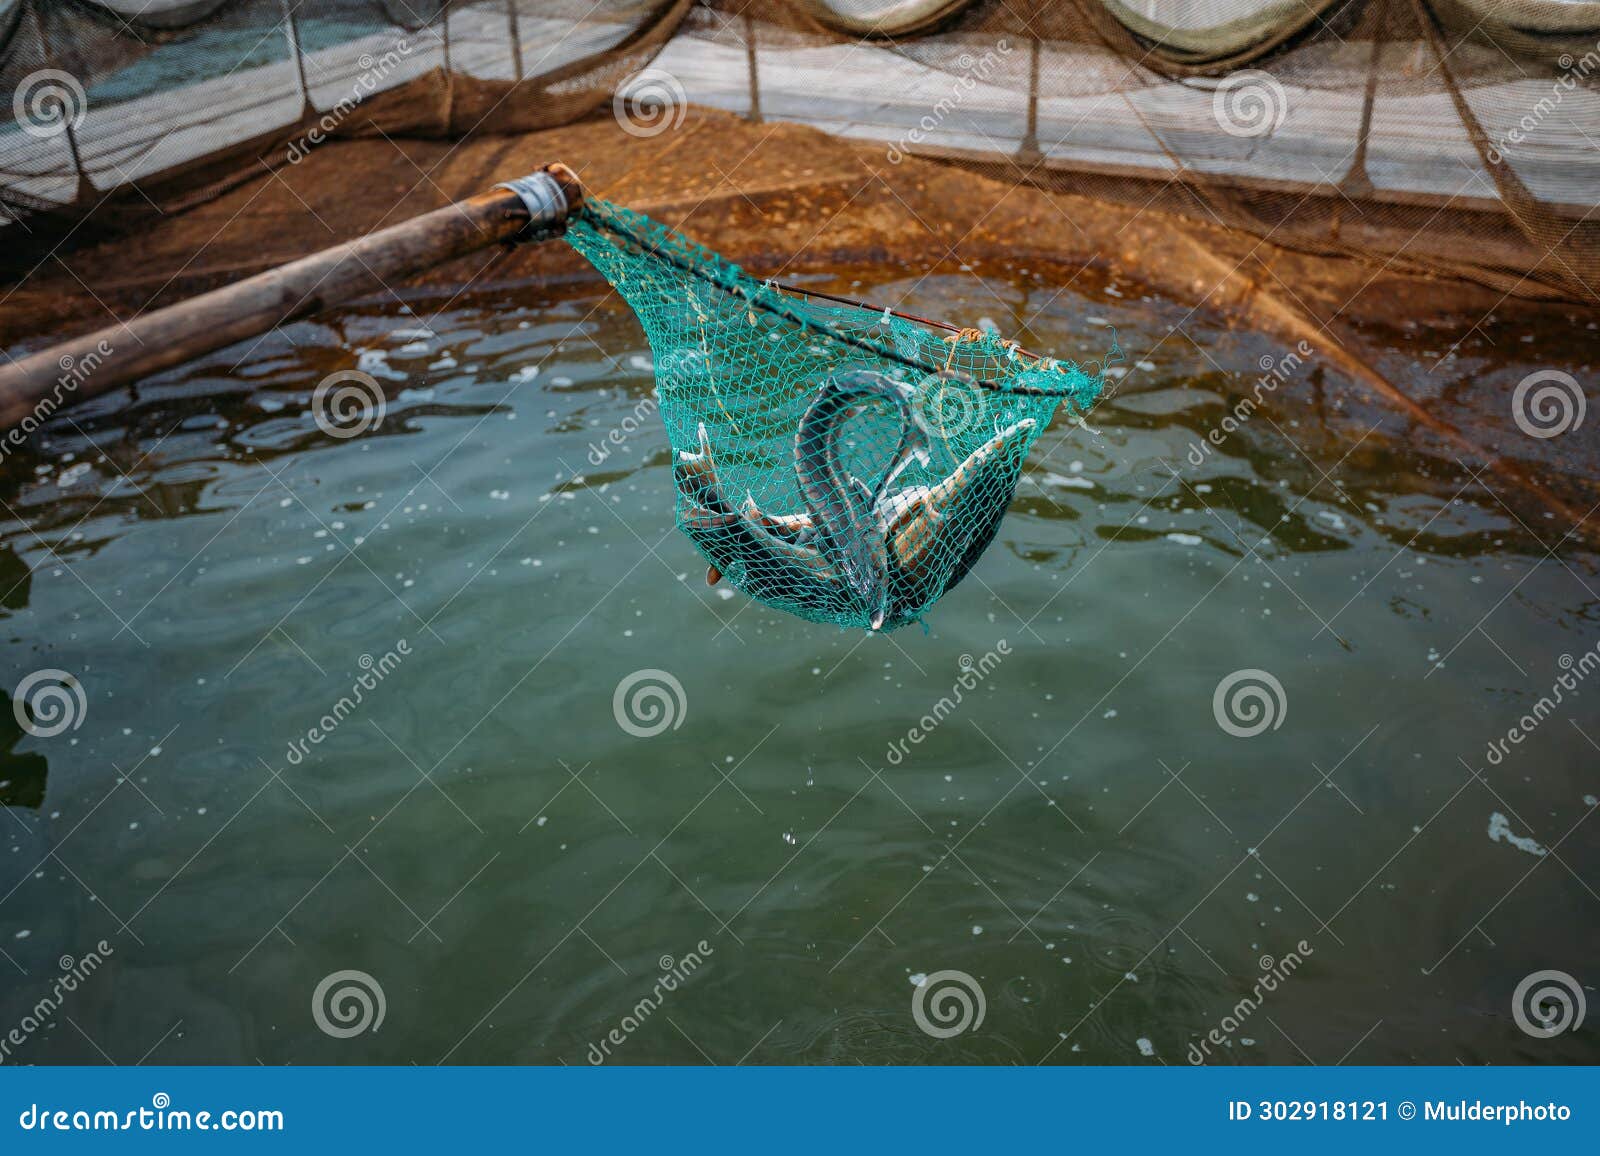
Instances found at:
x=1078 y=834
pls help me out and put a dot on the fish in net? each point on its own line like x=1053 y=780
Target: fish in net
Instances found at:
x=834 y=461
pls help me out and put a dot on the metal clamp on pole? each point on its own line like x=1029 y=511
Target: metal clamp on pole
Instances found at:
x=550 y=196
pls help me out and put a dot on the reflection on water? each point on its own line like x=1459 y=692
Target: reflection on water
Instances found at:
x=350 y=706
x=24 y=771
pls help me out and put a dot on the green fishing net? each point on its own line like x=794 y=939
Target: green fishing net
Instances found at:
x=836 y=462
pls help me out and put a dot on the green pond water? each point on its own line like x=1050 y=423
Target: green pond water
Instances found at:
x=1036 y=792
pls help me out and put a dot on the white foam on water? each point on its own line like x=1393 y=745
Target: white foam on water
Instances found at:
x=1500 y=828
x=71 y=475
x=1067 y=483
x=375 y=363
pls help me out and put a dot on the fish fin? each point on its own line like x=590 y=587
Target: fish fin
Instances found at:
x=790 y=527
x=703 y=456
x=913 y=535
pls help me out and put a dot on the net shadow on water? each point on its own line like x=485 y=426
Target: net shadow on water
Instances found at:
x=1206 y=716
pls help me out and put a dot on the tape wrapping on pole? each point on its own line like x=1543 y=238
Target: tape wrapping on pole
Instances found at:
x=542 y=195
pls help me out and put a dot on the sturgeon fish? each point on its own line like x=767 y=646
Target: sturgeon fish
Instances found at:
x=883 y=549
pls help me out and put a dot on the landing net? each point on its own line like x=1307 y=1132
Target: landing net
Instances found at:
x=841 y=463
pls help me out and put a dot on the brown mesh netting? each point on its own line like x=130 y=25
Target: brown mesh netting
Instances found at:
x=177 y=97
x=1448 y=136
x=1456 y=137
